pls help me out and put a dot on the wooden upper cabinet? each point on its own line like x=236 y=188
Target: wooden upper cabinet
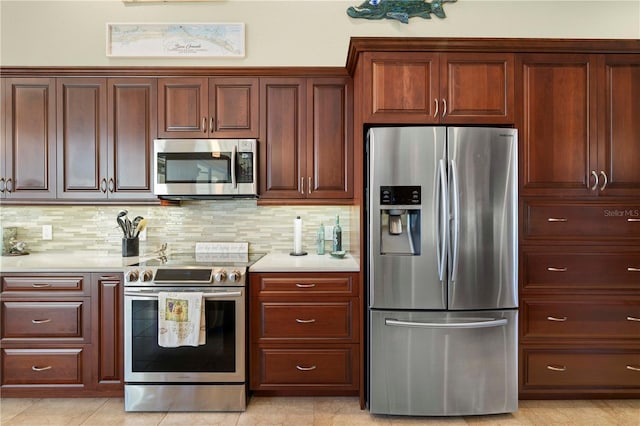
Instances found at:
x=82 y=138
x=329 y=130
x=580 y=133
x=132 y=119
x=434 y=88
x=220 y=107
x=619 y=147
x=305 y=143
x=28 y=148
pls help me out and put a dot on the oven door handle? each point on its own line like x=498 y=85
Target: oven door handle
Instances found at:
x=205 y=295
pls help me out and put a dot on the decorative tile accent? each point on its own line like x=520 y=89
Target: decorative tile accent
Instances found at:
x=266 y=228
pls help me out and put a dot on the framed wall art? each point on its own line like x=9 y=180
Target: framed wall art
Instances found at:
x=176 y=40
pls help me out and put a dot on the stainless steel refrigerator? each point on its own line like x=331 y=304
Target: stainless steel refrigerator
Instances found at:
x=442 y=270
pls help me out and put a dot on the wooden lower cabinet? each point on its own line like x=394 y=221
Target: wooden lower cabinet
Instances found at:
x=580 y=320
x=61 y=335
x=305 y=334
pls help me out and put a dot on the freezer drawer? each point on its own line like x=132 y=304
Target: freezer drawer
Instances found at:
x=443 y=363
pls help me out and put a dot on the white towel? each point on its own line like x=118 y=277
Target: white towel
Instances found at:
x=181 y=319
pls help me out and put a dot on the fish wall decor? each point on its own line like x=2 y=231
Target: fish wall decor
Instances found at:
x=400 y=10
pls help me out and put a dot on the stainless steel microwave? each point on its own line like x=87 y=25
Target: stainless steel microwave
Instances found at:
x=205 y=168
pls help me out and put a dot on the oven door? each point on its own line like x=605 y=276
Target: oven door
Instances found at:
x=220 y=359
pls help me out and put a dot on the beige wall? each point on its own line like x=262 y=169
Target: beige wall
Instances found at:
x=289 y=33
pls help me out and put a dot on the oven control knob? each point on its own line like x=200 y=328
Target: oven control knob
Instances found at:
x=234 y=276
x=146 y=275
x=131 y=276
x=220 y=276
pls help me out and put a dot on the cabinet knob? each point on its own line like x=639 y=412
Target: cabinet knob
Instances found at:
x=435 y=114
x=604 y=180
x=204 y=124
x=112 y=185
x=2 y=185
x=444 y=107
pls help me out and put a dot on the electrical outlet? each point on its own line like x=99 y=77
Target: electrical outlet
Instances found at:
x=143 y=235
x=47 y=232
x=328 y=232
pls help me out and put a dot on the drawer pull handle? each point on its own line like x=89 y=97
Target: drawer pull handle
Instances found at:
x=40 y=285
x=301 y=368
x=632 y=219
x=633 y=319
x=300 y=285
x=554 y=368
x=305 y=321
x=631 y=367
x=552 y=269
x=557 y=219
x=41 y=321
x=632 y=269
x=557 y=319
x=34 y=368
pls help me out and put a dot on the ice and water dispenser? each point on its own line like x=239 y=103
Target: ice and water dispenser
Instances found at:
x=400 y=208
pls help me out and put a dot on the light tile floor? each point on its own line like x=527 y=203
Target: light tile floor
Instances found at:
x=307 y=411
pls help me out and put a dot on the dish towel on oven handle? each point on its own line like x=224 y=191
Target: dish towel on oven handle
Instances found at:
x=181 y=319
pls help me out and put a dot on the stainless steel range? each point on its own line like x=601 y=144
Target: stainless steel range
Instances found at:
x=208 y=377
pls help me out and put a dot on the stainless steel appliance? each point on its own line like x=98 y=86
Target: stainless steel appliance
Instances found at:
x=442 y=270
x=209 y=377
x=205 y=168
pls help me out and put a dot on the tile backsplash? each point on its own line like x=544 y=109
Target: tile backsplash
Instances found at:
x=266 y=228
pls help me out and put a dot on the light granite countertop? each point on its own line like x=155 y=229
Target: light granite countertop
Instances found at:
x=96 y=261
x=284 y=262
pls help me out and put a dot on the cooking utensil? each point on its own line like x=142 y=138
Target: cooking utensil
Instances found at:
x=122 y=222
x=134 y=225
x=139 y=226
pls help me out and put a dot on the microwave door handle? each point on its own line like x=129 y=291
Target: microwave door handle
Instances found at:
x=234 y=155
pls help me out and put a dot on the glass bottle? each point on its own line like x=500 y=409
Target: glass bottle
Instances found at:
x=337 y=235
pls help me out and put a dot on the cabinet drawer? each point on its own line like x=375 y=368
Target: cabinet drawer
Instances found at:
x=51 y=319
x=306 y=366
x=308 y=284
x=553 y=220
x=32 y=283
x=606 y=270
x=42 y=366
x=328 y=320
x=585 y=317
x=574 y=369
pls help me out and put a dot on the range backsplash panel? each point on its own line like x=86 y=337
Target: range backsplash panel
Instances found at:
x=94 y=228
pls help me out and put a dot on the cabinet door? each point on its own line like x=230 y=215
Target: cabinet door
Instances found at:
x=619 y=149
x=558 y=138
x=132 y=119
x=27 y=168
x=282 y=138
x=183 y=107
x=401 y=87
x=82 y=137
x=107 y=311
x=329 y=147
x=477 y=88
x=233 y=107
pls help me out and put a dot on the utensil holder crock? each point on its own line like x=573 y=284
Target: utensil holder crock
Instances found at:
x=130 y=247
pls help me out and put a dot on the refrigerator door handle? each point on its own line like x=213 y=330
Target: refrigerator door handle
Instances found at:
x=442 y=210
x=455 y=203
x=473 y=324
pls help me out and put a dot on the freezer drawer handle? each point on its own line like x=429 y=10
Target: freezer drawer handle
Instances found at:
x=553 y=368
x=473 y=324
x=301 y=368
x=631 y=367
x=633 y=319
x=557 y=219
x=305 y=321
x=557 y=319
x=552 y=269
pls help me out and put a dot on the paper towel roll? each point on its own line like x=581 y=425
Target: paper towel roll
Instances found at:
x=297 y=235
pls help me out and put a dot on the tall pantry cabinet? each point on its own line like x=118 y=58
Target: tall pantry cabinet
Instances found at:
x=580 y=224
